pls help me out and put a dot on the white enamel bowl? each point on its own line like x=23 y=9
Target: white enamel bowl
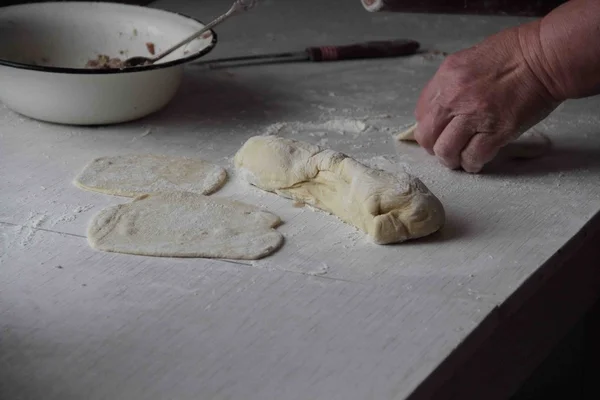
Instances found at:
x=44 y=48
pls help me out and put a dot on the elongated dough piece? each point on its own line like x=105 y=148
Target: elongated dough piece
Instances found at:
x=389 y=208
x=134 y=175
x=531 y=144
x=408 y=135
x=182 y=224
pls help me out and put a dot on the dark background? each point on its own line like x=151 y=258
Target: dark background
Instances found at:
x=11 y=2
x=492 y=7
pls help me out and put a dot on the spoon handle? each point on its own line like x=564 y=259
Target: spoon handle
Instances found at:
x=239 y=5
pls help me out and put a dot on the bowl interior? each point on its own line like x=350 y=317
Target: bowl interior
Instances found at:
x=69 y=34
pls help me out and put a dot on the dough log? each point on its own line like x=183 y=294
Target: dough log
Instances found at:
x=389 y=208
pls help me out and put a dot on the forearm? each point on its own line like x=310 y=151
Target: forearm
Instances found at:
x=563 y=49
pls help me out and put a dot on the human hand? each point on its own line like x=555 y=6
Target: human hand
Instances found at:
x=480 y=99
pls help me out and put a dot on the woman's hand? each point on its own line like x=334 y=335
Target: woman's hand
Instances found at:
x=480 y=99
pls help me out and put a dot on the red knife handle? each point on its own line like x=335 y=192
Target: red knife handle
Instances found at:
x=377 y=49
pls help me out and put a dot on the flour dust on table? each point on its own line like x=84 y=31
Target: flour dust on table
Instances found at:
x=183 y=224
x=134 y=175
x=390 y=208
x=530 y=145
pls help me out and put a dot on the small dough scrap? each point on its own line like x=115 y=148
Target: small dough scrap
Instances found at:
x=389 y=208
x=183 y=224
x=408 y=135
x=531 y=144
x=134 y=175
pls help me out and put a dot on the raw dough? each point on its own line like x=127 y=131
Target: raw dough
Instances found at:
x=183 y=224
x=133 y=175
x=389 y=208
x=408 y=135
x=531 y=144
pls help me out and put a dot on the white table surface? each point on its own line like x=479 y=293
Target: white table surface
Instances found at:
x=329 y=316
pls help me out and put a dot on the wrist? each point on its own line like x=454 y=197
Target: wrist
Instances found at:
x=562 y=49
x=542 y=69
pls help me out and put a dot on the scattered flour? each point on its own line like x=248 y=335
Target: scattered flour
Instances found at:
x=26 y=232
x=341 y=126
x=275 y=128
x=387 y=163
x=80 y=209
x=144 y=134
x=320 y=270
x=323 y=142
x=375 y=117
x=69 y=213
x=23 y=235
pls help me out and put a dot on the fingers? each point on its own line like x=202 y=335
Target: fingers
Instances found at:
x=481 y=149
x=430 y=127
x=453 y=140
x=449 y=122
x=427 y=114
x=459 y=144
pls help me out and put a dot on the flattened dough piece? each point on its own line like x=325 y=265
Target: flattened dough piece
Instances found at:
x=389 y=208
x=183 y=224
x=134 y=175
x=531 y=144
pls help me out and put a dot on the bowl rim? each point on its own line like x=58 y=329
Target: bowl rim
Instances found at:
x=92 y=71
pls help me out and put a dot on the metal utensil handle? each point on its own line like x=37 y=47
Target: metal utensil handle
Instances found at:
x=239 y=5
x=375 y=49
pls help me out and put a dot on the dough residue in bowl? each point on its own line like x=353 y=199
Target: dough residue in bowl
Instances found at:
x=151 y=48
x=105 y=62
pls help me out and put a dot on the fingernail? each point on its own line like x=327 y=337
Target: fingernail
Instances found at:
x=473 y=169
x=447 y=164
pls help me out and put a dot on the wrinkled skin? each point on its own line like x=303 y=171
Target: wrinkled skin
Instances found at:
x=487 y=95
x=480 y=99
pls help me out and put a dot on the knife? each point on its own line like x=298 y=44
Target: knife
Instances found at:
x=373 y=49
